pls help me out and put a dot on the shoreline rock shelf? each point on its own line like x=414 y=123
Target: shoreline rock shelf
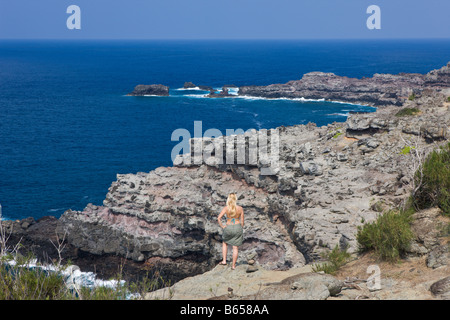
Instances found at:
x=379 y=90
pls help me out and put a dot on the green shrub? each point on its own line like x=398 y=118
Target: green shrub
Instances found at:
x=389 y=236
x=337 y=135
x=25 y=283
x=412 y=97
x=446 y=230
x=118 y=292
x=407 y=112
x=434 y=181
x=406 y=150
x=448 y=99
x=336 y=259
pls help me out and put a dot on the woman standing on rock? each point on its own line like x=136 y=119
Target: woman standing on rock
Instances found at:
x=233 y=230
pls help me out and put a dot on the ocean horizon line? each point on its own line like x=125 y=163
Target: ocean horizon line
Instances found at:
x=228 y=39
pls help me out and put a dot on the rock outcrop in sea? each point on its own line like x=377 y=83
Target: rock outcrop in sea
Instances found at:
x=150 y=90
x=190 y=85
x=328 y=181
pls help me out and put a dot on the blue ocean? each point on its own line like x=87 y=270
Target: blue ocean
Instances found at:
x=67 y=126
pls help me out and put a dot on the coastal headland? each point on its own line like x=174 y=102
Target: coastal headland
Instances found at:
x=330 y=180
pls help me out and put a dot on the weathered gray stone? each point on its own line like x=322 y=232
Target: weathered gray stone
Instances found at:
x=311 y=168
x=305 y=286
x=441 y=287
x=438 y=257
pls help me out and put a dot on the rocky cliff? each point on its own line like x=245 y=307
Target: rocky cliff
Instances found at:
x=328 y=181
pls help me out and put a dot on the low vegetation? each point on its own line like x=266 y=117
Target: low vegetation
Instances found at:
x=22 y=277
x=21 y=283
x=26 y=280
x=389 y=236
x=433 y=179
x=337 y=135
x=406 y=150
x=335 y=260
x=407 y=112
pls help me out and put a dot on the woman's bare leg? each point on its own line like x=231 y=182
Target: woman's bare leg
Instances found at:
x=235 y=255
x=224 y=252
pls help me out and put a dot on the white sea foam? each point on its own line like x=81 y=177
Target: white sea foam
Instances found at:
x=195 y=95
x=187 y=89
x=339 y=114
x=55 y=210
x=233 y=91
x=301 y=99
x=281 y=99
x=258 y=124
x=236 y=96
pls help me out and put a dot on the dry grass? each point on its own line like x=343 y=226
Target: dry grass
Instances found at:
x=406 y=279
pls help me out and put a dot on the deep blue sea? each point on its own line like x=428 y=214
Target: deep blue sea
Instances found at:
x=67 y=127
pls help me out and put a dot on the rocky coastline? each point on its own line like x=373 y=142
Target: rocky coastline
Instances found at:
x=379 y=90
x=329 y=181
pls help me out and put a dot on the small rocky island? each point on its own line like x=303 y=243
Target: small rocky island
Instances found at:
x=331 y=180
x=150 y=90
x=190 y=85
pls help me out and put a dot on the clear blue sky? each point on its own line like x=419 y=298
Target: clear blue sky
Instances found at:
x=231 y=19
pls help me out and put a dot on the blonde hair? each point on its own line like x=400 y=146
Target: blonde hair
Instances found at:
x=231 y=206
